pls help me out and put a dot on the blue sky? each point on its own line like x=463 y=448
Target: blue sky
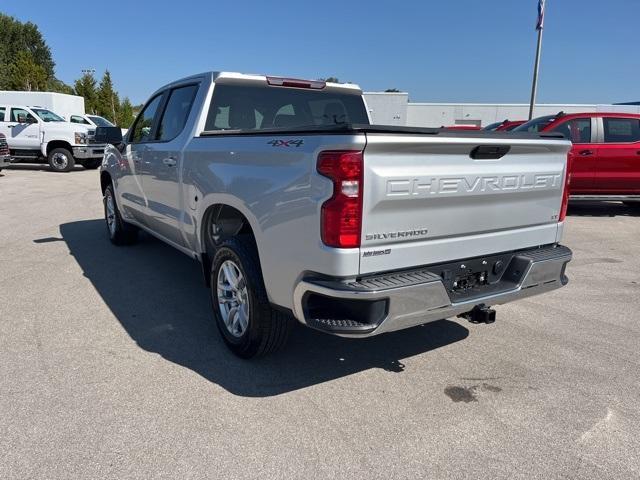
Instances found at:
x=448 y=51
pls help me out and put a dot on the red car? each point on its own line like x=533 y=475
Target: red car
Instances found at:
x=462 y=127
x=605 y=158
x=504 y=126
x=4 y=152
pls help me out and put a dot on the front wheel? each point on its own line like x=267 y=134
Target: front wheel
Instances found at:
x=249 y=325
x=60 y=160
x=120 y=232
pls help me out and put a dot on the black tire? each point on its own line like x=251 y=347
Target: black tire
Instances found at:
x=61 y=160
x=122 y=232
x=92 y=164
x=268 y=329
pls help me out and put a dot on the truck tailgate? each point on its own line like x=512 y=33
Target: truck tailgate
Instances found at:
x=428 y=200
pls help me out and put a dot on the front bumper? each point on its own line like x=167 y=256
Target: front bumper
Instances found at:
x=88 y=151
x=413 y=297
x=5 y=161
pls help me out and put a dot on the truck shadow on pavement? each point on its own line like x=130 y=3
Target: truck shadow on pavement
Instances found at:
x=158 y=296
x=601 y=209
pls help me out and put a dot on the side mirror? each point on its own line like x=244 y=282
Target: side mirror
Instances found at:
x=112 y=135
x=22 y=118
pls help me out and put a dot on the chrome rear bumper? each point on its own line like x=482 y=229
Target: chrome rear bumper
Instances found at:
x=419 y=296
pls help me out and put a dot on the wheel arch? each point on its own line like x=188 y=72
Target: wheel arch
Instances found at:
x=220 y=220
x=53 y=144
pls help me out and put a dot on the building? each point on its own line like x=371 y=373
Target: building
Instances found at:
x=396 y=109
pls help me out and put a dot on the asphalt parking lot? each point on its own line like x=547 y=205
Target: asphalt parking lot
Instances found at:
x=110 y=367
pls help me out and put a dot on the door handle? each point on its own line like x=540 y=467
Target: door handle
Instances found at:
x=586 y=153
x=169 y=162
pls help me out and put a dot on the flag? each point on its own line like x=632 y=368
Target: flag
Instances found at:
x=540 y=24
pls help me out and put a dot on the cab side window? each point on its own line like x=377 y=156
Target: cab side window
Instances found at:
x=577 y=130
x=2 y=112
x=78 y=119
x=16 y=112
x=144 y=123
x=621 y=130
x=176 y=112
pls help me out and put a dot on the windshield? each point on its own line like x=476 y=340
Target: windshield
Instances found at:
x=535 y=125
x=47 y=115
x=493 y=126
x=100 y=122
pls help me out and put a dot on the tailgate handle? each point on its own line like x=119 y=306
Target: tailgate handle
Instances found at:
x=489 y=152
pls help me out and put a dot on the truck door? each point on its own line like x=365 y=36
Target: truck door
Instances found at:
x=131 y=196
x=582 y=157
x=161 y=164
x=24 y=130
x=618 y=156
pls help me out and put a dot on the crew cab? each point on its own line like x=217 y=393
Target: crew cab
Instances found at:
x=299 y=209
x=5 y=158
x=605 y=157
x=36 y=134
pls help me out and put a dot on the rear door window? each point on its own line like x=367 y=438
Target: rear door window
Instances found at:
x=236 y=107
x=621 y=130
x=578 y=130
x=2 y=111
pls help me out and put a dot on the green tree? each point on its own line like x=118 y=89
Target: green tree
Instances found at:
x=331 y=79
x=108 y=102
x=23 y=50
x=85 y=86
x=392 y=90
x=25 y=74
x=55 y=85
x=125 y=116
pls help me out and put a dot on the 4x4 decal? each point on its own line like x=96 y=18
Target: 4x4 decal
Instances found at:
x=286 y=143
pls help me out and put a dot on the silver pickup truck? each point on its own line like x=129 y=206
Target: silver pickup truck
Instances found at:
x=298 y=208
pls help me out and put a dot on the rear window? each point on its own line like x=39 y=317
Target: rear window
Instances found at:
x=621 y=130
x=238 y=107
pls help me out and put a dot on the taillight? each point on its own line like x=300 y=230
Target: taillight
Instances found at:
x=341 y=219
x=565 y=191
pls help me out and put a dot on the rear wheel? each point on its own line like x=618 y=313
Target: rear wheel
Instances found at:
x=120 y=232
x=248 y=323
x=60 y=160
x=92 y=164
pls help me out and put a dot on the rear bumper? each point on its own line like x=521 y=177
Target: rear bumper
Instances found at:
x=413 y=297
x=90 y=151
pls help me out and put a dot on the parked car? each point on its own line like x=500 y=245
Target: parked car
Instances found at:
x=298 y=208
x=36 y=134
x=5 y=158
x=92 y=122
x=504 y=126
x=605 y=157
